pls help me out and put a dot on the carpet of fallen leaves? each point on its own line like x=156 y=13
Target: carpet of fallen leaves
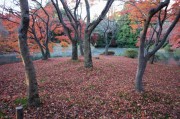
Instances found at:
x=106 y=91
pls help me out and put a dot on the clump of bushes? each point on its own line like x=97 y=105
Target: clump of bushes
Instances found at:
x=109 y=53
x=167 y=48
x=131 y=53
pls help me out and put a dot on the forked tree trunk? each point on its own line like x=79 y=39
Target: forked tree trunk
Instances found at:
x=32 y=87
x=87 y=49
x=74 y=50
x=143 y=58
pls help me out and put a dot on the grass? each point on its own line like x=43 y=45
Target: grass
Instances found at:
x=21 y=101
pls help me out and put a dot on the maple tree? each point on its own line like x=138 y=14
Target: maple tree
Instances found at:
x=44 y=30
x=9 y=42
x=138 y=12
x=42 y=26
x=72 y=28
x=144 y=53
x=107 y=29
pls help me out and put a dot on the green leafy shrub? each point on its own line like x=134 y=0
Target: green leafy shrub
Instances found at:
x=131 y=53
x=161 y=57
x=167 y=48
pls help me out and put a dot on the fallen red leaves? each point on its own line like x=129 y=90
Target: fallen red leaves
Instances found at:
x=68 y=90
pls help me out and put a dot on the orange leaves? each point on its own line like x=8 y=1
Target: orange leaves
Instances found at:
x=63 y=38
x=138 y=11
x=64 y=44
x=58 y=30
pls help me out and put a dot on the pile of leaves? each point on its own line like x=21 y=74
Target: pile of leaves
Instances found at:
x=68 y=90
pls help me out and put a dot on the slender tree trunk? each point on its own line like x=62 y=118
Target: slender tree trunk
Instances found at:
x=47 y=54
x=81 y=48
x=106 y=49
x=42 y=50
x=142 y=62
x=87 y=51
x=106 y=41
x=74 y=50
x=32 y=87
x=151 y=60
x=43 y=55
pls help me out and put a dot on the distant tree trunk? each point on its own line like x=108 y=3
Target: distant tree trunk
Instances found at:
x=81 y=48
x=106 y=49
x=106 y=41
x=74 y=50
x=47 y=54
x=107 y=45
x=43 y=54
x=41 y=48
x=151 y=60
x=39 y=44
x=87 y=49
x=32 y=91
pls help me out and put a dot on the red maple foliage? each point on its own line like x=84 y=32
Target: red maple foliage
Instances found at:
x=138 y=11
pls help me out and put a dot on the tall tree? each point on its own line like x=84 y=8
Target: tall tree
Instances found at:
x=90 y=26
x=73 y=27
x=42 y=26
x=32 y=86
x=41 y=33
x=107 y=29
x=162 y=13
x=126 y=37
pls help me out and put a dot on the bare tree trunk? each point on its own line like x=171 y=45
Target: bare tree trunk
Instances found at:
x=89 y=28
x=106 y=41
x=81 y=48
x=142 y=62
x=47 y=54
x=151 y=60
x=74 y=50
x=106 y=49
x=87 y=49
x=32 y=87
x=40 y=47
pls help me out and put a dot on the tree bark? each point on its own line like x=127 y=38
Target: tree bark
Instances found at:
x=47 y=53
x=81 y=48
x=74 y=50
x=32 y=87
x=151 y=60
x=87 y=49
x=89 y=28
x=106 y=49
x=142 y=62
